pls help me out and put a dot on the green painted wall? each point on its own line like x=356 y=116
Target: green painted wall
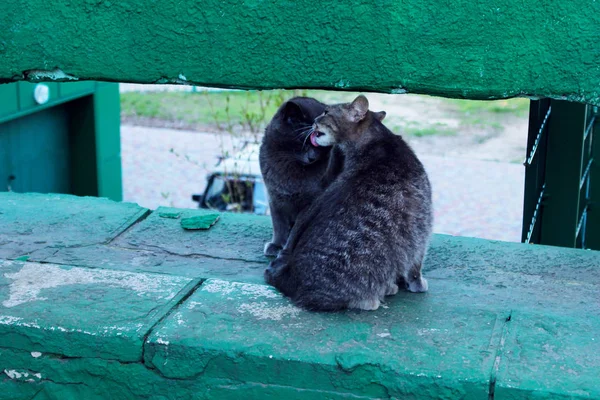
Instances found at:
x=465 y=48
x=71 y=144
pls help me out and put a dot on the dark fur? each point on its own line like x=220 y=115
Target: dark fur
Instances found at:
x=369 y=230
x=291 y=167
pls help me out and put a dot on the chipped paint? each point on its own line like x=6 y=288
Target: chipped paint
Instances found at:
x=53 y=75
x=9 y=320
x=36 y=354
x=34 y=278
x=264 y=310
x=16 y=375
x=247 y=289
x=342 y=84
x=12 y=374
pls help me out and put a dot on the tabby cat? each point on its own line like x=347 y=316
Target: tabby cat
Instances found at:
x=369 y=230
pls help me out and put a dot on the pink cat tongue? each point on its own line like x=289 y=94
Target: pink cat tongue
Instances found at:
x=313 y=139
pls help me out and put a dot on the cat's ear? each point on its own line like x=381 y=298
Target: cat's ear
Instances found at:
x=359 y=108
x=380 y=115
x=293 y=111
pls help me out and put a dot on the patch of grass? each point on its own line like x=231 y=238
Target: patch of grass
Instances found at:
x=414 y=129
x=477 y=121
x=223 y=110
x=250 y=111
x=428 y=131
x=517 y=106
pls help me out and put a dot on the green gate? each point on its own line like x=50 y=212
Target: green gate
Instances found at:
x=60 y=138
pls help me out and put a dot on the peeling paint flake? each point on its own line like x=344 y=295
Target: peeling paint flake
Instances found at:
x=342 y=84
x=12 y=374
x=54 y=75
x=8 y=319
x=16 y=375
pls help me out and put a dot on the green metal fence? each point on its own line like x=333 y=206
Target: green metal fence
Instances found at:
x=562 y=176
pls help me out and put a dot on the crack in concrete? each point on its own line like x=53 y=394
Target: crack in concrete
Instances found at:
x=189 y=291
x=499 y=353
x=130 y=225
x=148 y=247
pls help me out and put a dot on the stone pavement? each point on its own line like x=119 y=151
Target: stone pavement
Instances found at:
x=154 y=176
x=108 y=300
x=471 y=197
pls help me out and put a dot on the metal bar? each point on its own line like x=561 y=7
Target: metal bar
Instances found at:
x=585 y=174
x=535 y=215
x=538 y=137
x=592 y=226
x=539 y=118
x=589 y=127
x=564 y=169
x=581 y=223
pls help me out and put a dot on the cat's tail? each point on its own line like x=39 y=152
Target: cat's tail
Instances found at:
x=320 y=300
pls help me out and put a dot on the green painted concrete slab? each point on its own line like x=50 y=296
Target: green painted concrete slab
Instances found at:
x=81 y=312
x=23 y=376
x=44 y=223
x=464 y=48
x=411 y=347
x=157 y=261
x=514 y=275
x=233 y=237
x=551 y=356
x=498 y=274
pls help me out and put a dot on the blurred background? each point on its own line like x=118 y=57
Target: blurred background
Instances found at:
x=173 y=137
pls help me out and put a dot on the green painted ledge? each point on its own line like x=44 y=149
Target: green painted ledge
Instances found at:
x=145 y=309
x=466 y=48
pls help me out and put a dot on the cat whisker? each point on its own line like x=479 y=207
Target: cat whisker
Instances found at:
x=302 y=127
x=310 y=131
x=306 y=132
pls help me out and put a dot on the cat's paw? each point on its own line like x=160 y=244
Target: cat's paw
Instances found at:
x=270 y=273
x=276 y=266
x=272 y=249
x=391 y=290
x=367 y=305
x=418 y=285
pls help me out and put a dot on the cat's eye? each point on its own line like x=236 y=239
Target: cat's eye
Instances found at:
x=325 y=112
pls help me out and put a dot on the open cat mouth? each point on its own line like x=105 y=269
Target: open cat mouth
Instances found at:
x=313 y=137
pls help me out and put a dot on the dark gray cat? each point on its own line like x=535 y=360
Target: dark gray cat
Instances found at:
x=369 y=230
x=291 y=166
